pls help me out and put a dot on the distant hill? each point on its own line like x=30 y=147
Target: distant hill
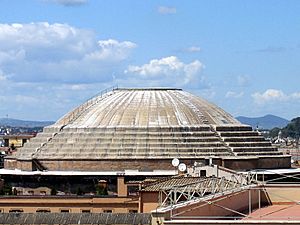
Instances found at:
x=292 y=129
x=23 y=123
x=265 y=122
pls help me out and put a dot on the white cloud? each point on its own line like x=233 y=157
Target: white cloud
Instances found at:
x=295 y=95
x=166 y=10
x=243 y=80
x=232 y=94
x=274 y=95
x=69 y=2
x=272 y=49
x=112 y=49
x=57 y=66
x=73 y=87
x=2 y=76
x=208 y=93
x=43 y=52
x=193 y=49
x=169 y=71
x=26 y=99
x=54 y=67
x=43 y=101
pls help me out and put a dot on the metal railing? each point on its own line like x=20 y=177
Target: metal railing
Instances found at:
x=170 y=196
x=73 y=115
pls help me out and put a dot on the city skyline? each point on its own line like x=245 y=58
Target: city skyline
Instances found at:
x=242 y=56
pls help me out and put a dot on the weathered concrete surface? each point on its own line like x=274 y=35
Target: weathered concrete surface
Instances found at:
x=144 y=129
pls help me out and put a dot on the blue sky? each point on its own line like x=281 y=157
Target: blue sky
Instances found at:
x=241 y=55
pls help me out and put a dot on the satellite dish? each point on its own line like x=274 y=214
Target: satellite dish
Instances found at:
x=175 y=162
x=182 y=167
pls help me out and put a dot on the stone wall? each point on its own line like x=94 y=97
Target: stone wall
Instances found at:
x=148 y=164
x=10 y=163
x=111 y=164
x=257 y=163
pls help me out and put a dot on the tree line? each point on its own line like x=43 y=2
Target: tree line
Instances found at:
x=291 y=130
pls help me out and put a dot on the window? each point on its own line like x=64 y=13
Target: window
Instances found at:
x=16 y=211
x=132 y=211
x=107 y=211
x=43 y=210
x=86 y=211
x=132 y=190
x=202 y=173
x=31 y=192
x=23 y=142
x=42 y=192
x=65 y=210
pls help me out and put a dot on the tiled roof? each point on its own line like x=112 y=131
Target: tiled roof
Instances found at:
x=171 y=182
x=75 y=218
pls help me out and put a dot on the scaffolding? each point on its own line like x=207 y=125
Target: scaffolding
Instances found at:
x=212 y=191
x=169 y=196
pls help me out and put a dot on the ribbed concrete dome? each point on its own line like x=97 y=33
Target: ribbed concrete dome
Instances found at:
x=139 y=127
x=146 y=108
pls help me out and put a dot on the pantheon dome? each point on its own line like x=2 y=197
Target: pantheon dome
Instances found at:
x=144 y=129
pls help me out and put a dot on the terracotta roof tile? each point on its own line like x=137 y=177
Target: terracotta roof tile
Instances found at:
x=172 y=182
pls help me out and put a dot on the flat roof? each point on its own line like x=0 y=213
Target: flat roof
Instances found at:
x=17 y=136
x=276 y=212
x=90 y=173
x=274 y=171
x=226 y=222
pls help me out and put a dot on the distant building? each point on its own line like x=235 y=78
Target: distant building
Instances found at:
x=10 y=143
x=42 y=199
x=15 y=140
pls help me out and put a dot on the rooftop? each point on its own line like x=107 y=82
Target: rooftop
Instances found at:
x=171 y=182
x=286 y=212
